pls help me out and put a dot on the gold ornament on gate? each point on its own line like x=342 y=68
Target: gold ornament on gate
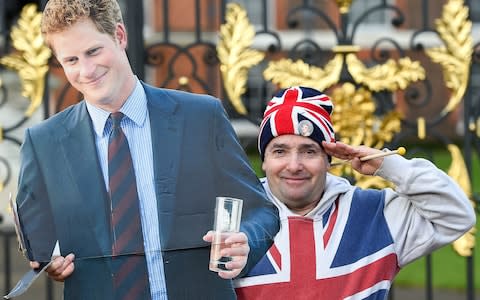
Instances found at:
x=31 y=59
x=455 y=57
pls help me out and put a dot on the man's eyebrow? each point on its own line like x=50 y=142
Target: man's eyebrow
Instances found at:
x=278 y=145
x=301 y=146
x=309 y=145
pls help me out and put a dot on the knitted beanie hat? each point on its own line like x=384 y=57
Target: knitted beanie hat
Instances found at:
x=300 y=111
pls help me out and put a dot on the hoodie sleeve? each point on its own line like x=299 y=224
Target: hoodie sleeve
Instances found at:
x=427 y=209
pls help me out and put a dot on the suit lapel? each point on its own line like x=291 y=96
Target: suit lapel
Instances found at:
x=92 y=201
x=166 y=127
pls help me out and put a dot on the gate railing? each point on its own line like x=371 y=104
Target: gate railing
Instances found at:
x=398 y=80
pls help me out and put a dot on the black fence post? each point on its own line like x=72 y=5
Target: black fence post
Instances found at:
x=133 y=18
x=470 y=277
x=6 y=261
x=42 y=4
x=429 y=277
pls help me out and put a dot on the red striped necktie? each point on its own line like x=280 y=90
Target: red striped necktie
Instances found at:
x=130 y=275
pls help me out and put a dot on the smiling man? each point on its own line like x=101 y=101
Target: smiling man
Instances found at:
x=338 y=241
x=126 y=179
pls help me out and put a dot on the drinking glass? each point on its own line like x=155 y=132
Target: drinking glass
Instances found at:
x=228 y=213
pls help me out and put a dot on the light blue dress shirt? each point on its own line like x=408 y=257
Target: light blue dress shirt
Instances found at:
x=136 y=126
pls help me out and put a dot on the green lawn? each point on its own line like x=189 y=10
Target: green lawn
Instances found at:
x=449 y=269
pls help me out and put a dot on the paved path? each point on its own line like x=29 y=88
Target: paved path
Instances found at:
x=419 y=294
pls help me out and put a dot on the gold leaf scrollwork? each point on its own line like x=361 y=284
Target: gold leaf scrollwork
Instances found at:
x=286 y=73
x=31 y=58
x=353 y=115
x=390 y=76
x=235 y=55
x=455 y=57
x=458 y=171
x=356 y=123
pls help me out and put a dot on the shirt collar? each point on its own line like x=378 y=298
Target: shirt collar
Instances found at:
x=135 y=108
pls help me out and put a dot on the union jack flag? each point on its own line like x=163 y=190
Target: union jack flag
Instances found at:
x=345 y=252
x=289 y=107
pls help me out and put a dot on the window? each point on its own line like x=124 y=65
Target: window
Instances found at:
x=256 y=12
x=360 y=7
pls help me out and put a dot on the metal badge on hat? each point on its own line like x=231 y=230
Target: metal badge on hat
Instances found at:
x=305 y=128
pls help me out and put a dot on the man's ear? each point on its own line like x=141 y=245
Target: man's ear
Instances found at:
x=121 y=35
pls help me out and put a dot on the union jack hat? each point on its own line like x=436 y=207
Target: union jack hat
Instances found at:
x=300 y=111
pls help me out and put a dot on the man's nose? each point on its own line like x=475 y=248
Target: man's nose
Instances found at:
x=295 y=162
x=87 y=69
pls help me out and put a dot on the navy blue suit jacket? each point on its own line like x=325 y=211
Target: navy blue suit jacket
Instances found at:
x=197 y=157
